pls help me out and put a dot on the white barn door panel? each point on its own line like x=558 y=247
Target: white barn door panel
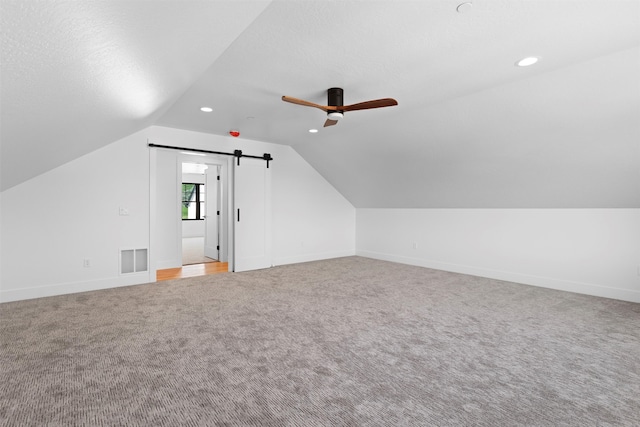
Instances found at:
x=252 y=215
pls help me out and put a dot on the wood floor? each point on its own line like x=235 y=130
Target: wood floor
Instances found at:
x=193 y=270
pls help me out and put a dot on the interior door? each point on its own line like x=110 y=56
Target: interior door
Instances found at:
x=212 y=213
x=252 y=214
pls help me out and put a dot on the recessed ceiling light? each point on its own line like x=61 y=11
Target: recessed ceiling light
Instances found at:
x=313 y=130
x=206 y=109
x=530 y=60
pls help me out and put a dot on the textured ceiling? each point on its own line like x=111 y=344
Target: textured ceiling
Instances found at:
x=471 y=129
x=77 y=75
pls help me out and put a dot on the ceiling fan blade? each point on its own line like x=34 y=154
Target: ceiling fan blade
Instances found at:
x=330 y=122
x=305 y=103
x=376 y=103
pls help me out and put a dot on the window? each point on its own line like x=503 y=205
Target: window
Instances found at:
x=192 y=201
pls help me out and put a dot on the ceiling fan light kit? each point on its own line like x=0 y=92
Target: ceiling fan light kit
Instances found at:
x=335 y=107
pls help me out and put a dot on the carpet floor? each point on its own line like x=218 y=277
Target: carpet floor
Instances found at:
x=343 y=342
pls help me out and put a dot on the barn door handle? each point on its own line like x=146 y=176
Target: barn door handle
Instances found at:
x=238 y=214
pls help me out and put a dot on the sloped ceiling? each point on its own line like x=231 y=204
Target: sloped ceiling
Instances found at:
x=78 y=75
x=471 y=129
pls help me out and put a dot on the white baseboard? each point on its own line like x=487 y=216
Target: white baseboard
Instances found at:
x=544 y=282
x=311 y=257
x=74 y=287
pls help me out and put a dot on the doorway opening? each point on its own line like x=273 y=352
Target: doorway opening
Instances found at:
x=202 y=210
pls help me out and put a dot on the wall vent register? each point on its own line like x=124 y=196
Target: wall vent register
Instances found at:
x=133 y=261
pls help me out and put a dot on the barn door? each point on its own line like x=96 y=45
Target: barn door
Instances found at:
x=252 y=214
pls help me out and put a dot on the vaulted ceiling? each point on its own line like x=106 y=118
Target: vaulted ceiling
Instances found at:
x=471 y=130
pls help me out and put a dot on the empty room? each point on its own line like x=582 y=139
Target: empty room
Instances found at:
x=320 y=213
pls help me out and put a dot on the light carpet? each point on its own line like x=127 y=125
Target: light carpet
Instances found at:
x=344 y=342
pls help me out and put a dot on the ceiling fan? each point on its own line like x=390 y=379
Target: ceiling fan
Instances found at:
x=335 y=110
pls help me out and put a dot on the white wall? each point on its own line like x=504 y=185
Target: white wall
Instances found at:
x=311 y=220
x=53 y=222
x=590 y=251
x=193 y=228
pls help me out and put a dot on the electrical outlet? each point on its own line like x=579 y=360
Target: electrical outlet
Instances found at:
x=86 y=263
x=124 y=211
x=415 y=245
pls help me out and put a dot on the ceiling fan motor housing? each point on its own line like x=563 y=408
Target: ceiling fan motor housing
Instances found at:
x=334 y=97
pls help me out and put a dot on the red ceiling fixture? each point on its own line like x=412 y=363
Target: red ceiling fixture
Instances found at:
x=234 y=133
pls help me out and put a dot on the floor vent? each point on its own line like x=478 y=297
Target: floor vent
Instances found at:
x=133 y=261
